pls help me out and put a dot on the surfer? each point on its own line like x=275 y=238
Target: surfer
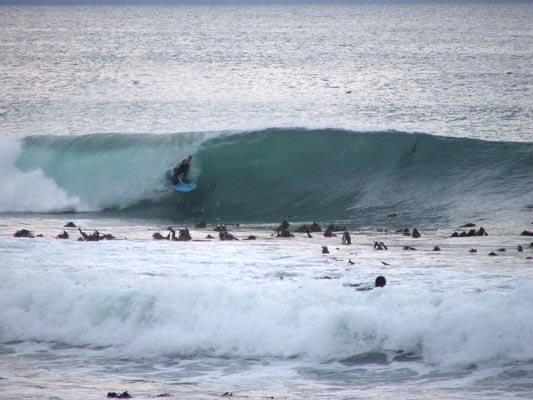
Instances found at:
x=180 y=171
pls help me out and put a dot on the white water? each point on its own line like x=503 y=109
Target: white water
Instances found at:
x=31 y=190
x=463 y=317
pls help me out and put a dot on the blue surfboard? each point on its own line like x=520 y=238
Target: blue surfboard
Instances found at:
x=186 y=187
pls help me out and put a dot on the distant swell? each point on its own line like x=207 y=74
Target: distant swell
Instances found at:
x=266 y=175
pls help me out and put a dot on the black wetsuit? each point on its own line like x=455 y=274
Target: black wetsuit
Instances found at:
x=180 y=173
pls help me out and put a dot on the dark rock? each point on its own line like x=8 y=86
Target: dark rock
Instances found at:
x=408 y=248
x=325 y=250
x=519 y=248
x=201 y=225
x=384 y=263
x=492 y=254
x=501 y=249
x=123 y=395
x=227 y=394
x=184 y=235
x=329 y=233
x=24 y=233
x=392 y=215
x=436 y=248
x=468 y=225
x=251 y=237
x=284 y=233
x=69 y=224
x=209 y=237
x=336 y=228
x=472 y=251
x=315 y=227
x=39 y=235
x=283 y=226
x=455 y=234
x=416 y=234
x=303 y=229
x=225 y=235
x=309 y=235
x=93 y=237
x=529 y=258
x=63 y=235
x=526 y=233
x=158 y=236
x=350 y=261
x=482 y=232
x=471 y=232
x=346 y=238
x=380 y=281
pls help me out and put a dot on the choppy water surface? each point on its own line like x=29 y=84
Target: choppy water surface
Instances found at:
x=447 y=69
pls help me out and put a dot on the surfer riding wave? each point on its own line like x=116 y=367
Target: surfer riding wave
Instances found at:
x=180 y=171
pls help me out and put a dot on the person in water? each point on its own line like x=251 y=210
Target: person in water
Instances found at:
x=181 y=170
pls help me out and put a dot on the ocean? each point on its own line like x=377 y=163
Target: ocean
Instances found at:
x=374 y=118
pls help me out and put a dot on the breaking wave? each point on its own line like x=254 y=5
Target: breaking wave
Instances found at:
x=270 y=174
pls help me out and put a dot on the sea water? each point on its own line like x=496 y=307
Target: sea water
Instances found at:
x=374 y=117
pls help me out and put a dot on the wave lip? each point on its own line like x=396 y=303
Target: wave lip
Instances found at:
x=270 y=174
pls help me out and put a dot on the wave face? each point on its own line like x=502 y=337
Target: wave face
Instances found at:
x=270 y=174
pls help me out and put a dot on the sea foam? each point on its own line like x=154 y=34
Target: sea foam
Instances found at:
x=308 y=319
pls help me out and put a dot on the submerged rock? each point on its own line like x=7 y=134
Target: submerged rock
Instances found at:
x=63 y=235
x=336 y=228
x=284 y=233
x=472 y=232
x=123 y=395
x=24 y=233
x=158 y=236
x=225 y=235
